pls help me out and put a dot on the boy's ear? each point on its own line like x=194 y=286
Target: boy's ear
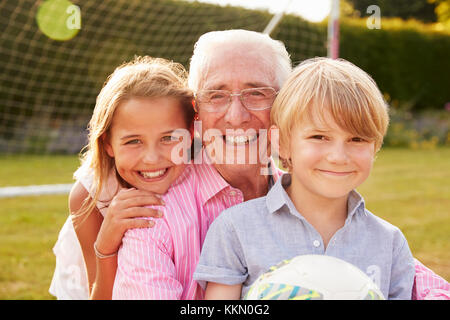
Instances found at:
x=275 y=147
x=191 y=130
x=107 y=144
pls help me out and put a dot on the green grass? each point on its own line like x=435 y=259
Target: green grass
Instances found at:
x=409 y=188
x=29 y=226
x=26 y=170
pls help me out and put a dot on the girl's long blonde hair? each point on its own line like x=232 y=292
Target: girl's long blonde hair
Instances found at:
x=143 y=77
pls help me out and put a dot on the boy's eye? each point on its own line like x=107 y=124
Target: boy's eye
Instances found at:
x=318 y=137
x=358 y=139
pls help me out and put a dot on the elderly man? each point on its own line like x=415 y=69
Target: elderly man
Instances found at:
x=236 y=75
x=238 y=65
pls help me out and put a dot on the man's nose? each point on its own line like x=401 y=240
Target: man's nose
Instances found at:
x=237 y=113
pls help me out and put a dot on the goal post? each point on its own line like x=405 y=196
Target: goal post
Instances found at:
x=333 y=30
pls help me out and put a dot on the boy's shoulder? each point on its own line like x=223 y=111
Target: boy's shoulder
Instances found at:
x=243 y=212
x=380 y=225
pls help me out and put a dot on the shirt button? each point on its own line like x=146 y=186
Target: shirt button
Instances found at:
x=316 y=243
x=232 y=193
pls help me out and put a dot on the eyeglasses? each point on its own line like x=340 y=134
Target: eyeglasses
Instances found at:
x=252 y=99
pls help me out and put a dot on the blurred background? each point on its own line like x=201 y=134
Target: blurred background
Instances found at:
x=56 y=54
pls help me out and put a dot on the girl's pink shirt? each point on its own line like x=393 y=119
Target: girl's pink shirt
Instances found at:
x=159 y=262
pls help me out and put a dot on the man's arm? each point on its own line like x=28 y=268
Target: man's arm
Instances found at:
x=428 y=285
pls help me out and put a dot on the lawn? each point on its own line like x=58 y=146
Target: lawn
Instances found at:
x=409 y=188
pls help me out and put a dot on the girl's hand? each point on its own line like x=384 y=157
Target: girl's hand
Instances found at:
x=127 y=205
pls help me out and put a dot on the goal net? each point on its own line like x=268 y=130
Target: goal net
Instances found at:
x=56 y=54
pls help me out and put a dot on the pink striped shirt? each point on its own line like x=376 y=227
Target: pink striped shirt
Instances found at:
x=428 y=285
x=159 y=262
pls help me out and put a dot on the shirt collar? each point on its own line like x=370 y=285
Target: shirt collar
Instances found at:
x=212 y=182
x=278 y=197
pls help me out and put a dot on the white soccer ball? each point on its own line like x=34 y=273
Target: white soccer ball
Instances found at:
x=314 y=277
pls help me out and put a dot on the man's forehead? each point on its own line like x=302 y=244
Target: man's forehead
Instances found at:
x=246 y=70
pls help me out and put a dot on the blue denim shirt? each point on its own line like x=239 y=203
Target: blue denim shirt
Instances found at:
x=247 y=239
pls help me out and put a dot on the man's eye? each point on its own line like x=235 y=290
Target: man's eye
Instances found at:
x=256 y=93
x=217 y=96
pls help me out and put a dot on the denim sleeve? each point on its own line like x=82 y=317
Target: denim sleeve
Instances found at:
x=221 y=259
x=403 y=270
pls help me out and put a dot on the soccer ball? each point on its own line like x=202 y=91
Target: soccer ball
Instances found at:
x=314 y=277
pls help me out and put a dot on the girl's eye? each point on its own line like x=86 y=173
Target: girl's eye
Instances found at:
x=134 y=141
x=170 y=138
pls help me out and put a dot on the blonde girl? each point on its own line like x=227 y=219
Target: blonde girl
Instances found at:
x=126 y=166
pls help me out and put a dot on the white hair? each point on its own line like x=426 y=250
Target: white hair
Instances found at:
x=273 y=53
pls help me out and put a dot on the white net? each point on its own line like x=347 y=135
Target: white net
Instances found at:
x=55 y=56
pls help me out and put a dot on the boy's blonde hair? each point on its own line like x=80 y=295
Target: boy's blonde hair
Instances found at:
x=143 y=77
x=347 y=93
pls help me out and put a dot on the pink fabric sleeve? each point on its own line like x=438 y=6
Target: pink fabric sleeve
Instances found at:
x=145 y=267
x=428 y=285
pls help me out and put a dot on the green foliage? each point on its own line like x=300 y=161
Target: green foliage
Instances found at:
x=442 y=11
x=407 y=62
x=422 y=10
x=424 y=130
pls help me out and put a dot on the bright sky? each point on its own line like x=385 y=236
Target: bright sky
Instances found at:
x=313 y=10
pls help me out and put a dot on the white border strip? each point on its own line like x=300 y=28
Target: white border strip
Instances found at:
x=45 y=189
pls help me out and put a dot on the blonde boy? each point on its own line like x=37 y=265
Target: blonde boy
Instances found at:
x=331 y=119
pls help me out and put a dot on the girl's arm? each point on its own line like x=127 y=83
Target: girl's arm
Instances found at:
x=218 y=291
x=86 y=231
x=107 y=233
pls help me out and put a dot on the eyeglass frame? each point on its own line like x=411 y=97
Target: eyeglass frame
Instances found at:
x=231 y=95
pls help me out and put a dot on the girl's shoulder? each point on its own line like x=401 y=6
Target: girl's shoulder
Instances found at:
x=84 y=177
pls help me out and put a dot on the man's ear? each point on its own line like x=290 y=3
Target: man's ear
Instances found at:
x=107 y=144
x=194 y=105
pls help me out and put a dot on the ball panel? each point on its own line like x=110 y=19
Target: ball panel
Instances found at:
x=314 y=277
x=281 y=291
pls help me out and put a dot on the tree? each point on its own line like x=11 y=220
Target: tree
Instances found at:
x=442 y=11
x=422 y=10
